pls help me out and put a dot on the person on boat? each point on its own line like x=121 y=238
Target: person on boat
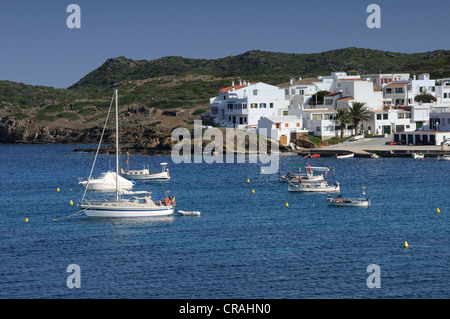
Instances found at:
x=338 y=199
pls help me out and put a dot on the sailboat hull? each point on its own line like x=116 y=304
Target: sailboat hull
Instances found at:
x=96 y=211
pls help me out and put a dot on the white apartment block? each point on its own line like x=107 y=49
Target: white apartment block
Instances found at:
x=244 y=104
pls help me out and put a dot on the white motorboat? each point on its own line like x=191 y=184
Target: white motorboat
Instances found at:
x=145 y=175
x=350 y=155
x=136 y=206
x=443 y=158
x=189 y=213
x=348 y=201
x=107 y=182
x=321 y=186
x=307 y=176
x=417 y=155
x=295 y=178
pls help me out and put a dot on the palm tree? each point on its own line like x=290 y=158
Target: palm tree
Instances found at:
x=343 y=117
x=359 y=114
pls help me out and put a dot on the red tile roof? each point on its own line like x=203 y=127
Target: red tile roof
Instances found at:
x=333 y=93
x=235 y=87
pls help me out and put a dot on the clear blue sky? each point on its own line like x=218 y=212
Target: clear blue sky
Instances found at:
x=38 y=48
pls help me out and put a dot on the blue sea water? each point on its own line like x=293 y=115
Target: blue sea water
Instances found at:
x=244 y=245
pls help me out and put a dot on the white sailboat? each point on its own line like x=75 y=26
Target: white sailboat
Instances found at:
x=136 y=206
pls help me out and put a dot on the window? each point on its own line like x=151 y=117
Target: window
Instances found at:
x=244 y=106
x=407 y=115
x=271 y=105
x=328 y=101
x=301 y=92
x=378 y=116
x=224 y=97
x=254 y=105
x=445 y=95
x=401 y=115
x=388 y=90
x=398 y=90
x=385 y=116
x=286 y=125
x=285 y=112
x=318 y=128
x=326 y=116
x=230 y=106
x=278 y=126
x=317 y=116
x=255 y=92
x=262 y=105
x=292 y=91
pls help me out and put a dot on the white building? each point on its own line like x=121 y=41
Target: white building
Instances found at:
x=322 y=123
x=299 y=92
x=280 y=128
x=244 y=104
x=382 y=79
x=401 y=93
x=354 y=90
x=389 y=121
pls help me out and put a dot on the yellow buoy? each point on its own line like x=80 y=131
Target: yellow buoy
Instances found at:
x=438 y=210
x=57 y=189
x=405 y=244
x=287 y=205
x=26 y=220
x=253 y=191
x=248 y=181
x=71 y=202
x=262 y=171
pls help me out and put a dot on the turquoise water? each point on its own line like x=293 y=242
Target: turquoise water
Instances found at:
x=244 y=245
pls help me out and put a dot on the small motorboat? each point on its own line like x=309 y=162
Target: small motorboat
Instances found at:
x=310 y=187
x=145 y=175
x=189 y=213
x=348 y=202
x=312 y=156
x=443 y=158
x=349 y=155
x=417 y=155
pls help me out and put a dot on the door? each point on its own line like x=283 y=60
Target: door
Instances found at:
x=283 y=140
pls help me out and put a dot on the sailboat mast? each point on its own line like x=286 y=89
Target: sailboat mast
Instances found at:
x=117 y=149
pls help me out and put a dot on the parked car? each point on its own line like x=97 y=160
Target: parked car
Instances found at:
x=446 y=142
